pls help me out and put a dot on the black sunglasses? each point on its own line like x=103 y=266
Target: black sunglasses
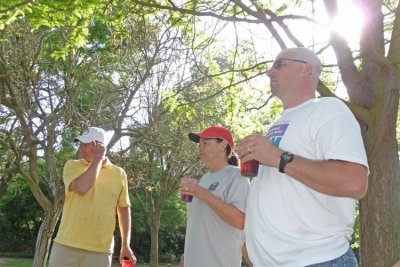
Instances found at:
x=278 y=63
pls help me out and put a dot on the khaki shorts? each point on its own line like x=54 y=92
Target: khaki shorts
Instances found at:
x=64 y=256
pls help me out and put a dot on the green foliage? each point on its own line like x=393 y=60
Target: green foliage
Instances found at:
x=20 y=218
x=355 y=244
x=171 y=235
x=73 y=18
x=174 y=214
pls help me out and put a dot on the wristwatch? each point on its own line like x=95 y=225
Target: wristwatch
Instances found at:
x=286 y=157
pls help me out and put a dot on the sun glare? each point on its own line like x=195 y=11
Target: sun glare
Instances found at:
x=348 y=22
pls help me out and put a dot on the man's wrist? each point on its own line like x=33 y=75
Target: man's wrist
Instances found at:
x=99 y=157
x=286 y=158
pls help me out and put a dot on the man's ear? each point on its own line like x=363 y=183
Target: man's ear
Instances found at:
x=308 y=71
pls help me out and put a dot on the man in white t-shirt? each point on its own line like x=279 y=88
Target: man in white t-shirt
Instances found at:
x=301 y=206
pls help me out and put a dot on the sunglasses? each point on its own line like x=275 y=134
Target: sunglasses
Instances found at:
x=278 y=63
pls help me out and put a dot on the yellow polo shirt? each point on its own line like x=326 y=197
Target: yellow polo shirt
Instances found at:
x=88 y=221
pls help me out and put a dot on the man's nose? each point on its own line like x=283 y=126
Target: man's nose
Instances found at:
x=270 y=72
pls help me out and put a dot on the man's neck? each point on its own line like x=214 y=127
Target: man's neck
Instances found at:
x=297 y=100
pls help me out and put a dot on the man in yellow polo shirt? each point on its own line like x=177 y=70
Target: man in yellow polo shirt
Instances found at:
x=95 y=191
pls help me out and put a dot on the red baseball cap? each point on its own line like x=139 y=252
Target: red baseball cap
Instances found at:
x=213 y=132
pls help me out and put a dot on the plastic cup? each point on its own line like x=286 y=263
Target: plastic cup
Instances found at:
x=249 y=168
x=184 y=197
x=126 y=262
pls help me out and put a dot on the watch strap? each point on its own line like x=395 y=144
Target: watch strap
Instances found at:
x=286 y=157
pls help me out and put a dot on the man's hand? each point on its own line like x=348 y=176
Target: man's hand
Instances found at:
x=98 y=150
x=258 y=147
x=126 y=252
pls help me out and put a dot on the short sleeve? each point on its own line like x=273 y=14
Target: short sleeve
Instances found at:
x=124 y=200
x=237 y=192
x=339 y=137
x=70 y=172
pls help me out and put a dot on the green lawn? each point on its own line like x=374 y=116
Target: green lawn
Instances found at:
x=13 y=262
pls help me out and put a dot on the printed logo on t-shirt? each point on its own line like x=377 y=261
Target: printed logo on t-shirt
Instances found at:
x=276 y=132
x=213 y=186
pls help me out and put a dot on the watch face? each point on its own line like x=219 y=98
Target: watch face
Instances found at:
x=287 y=156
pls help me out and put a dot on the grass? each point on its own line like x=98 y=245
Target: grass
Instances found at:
x=18 y=262
x=11 y=262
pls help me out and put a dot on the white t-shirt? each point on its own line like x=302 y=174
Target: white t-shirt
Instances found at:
x=210 y=241
x=287 y=223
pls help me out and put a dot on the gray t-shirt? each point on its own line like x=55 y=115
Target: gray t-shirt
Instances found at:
x=210 y=241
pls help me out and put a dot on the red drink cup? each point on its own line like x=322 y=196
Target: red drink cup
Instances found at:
x=249 y=168
x=127 y=262
x=186 y=198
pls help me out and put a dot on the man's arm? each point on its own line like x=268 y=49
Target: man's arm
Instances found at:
x=96 y=155
x=86 y=180
x=124 y=220
x=331 y=177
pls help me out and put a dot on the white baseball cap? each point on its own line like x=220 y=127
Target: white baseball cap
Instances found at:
x=93 y=134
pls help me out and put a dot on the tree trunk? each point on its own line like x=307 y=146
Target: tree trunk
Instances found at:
x=380 y=209
x=154 y=229
x=46 y=232
x=380 y=214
